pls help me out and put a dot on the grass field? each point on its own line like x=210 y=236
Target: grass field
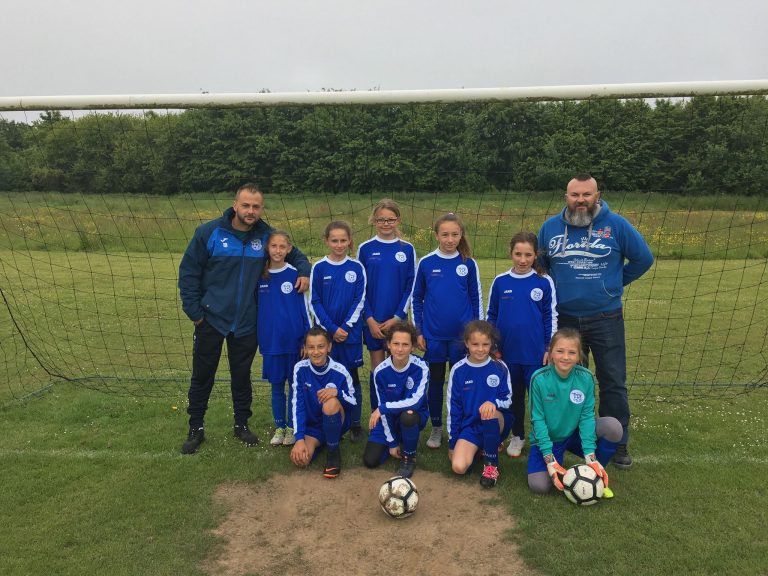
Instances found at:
x=91 y=475
x=94 y=484
x=715 y=227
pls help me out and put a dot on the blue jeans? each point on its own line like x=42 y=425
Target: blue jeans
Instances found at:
x=603 y=335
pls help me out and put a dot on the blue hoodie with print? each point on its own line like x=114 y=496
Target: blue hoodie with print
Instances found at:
x=590 y=265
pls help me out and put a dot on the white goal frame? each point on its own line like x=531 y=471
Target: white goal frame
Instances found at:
x=333 y=97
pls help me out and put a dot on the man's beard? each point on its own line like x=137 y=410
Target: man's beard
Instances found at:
x=243 y=222
x=579 y=218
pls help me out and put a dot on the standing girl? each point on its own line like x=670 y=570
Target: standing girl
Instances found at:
x=338 y=292
x=283 y=319
x=522 y=306
x=390 y=266
x=562 y=405
x=479 y=397
x=446 y=295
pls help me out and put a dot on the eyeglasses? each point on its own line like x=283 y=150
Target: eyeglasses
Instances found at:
x=385 y=220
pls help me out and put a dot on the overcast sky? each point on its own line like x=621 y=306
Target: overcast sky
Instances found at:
x=182 y=46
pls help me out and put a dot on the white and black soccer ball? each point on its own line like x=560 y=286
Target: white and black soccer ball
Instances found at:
x=582 y=485
x=398 y=497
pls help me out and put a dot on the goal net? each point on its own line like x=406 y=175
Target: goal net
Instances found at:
x=96 y=209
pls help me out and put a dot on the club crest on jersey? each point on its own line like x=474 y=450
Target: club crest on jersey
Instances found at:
x=256 y=245
x=224 y=242
x=537 y=294
x=286 y=287
x=577 y=396
x=409 y=383
x=462 y=270
x=493 y=381
x=400 y=256
x=350 y=276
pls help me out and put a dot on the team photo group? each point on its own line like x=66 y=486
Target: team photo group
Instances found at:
x=447 y=356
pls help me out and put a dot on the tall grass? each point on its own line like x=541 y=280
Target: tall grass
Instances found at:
x=675 y=227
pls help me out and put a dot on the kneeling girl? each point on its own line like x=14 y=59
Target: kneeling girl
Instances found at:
x=562 y=405
x=322 y=403
x=400 y=384
x=479 y=400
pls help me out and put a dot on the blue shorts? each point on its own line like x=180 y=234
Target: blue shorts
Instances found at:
x=278 y=367
x=377 y=435
x=474 y=433
x=536 y=458
x=318 y=433
x=348 y=355
x=373 y=344
x=444 y=351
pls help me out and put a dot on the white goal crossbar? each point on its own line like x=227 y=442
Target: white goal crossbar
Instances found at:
x=334 y=97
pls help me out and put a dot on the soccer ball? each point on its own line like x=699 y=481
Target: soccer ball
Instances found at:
x=582 y=485
x=398 y=497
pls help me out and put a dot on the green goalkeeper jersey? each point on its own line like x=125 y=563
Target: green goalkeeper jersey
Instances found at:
x=560 y=406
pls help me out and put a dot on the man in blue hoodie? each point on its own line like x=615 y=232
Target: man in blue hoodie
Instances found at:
x=218 y=280
x=591 y=253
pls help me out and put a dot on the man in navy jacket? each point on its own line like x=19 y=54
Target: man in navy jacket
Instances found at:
x=218 y=279
x=591 y=253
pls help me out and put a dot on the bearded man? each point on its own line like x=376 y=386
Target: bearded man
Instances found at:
x=591 y=253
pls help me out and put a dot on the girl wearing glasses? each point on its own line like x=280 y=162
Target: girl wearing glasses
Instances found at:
x=390 y=267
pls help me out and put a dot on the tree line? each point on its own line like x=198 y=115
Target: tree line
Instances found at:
x=702 y=145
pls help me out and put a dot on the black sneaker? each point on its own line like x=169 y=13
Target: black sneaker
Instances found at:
x=622 y=460
x=332 y=464
x=407 y=466
x=194 y=439
x=355 y=433
x=245 y=435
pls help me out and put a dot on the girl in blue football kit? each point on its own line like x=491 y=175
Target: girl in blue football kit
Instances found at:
x=446 y=295
x=283 y=320
x=390 y=266
x=562 y=405
x=479 y=397
x=522 y=306
x=338 y=291
x=401 y=413
x=322 y=402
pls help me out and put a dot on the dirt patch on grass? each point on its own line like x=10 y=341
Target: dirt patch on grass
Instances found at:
x=307 y=525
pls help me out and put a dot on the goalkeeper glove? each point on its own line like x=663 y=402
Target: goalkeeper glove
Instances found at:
x=555 y=471
x=592 y=462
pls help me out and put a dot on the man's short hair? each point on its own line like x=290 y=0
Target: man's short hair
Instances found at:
x=251 y=187
x=583 y=176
